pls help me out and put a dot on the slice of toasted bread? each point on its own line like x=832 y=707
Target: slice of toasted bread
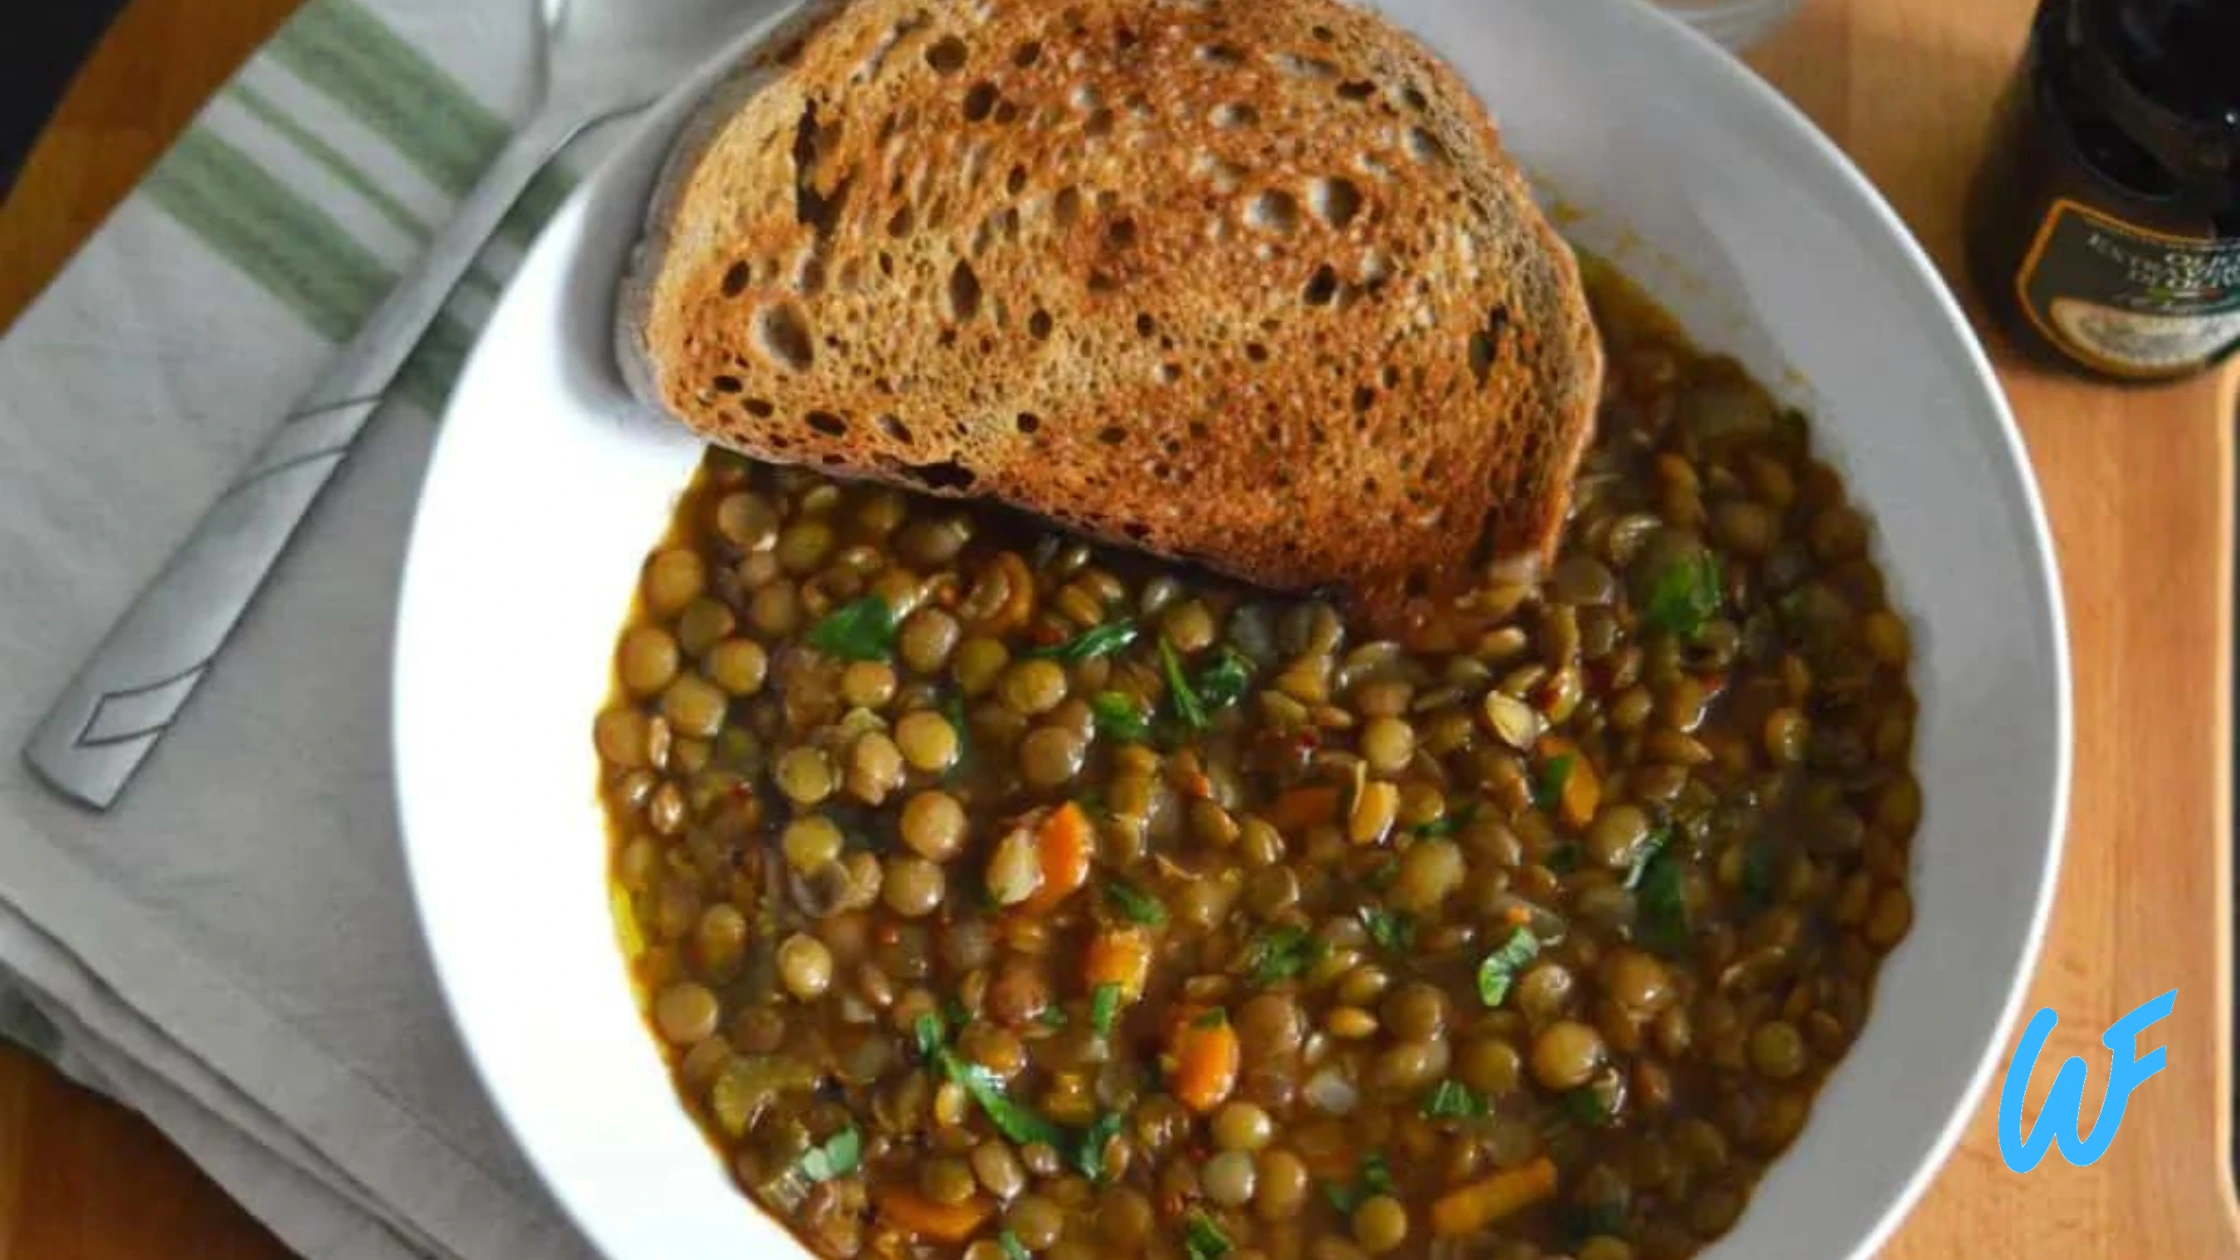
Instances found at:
x=1245 y=282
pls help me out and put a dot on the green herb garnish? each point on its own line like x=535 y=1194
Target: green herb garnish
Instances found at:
x=1104 y=1008
x=1587 y=1106
x=861 y=631
x=1647 y=853
x=1501 y=967
x=1286 y=953
x=1013 y=1249
x=1382 y=876
x=1376 y=1179
x=1225 y=679
x=1187 y=705
x=1661 y=906
x=1016 y=1121
x=840 y=1155
x=1548 y=791
x=1053 y=1016
x=1392 y=930
x=1104 y=640
x=953 y=709
x=1684 y=595
x=1214 y=1018
x=1447 y=824
x=954 y=1012
x=1453 y=1100
x=1563 y=859
x=1203 y=1239
x=1134 y=904
x=1089 y=1155
x=931 y=1036
x=1757 y=873
x=1118 y=717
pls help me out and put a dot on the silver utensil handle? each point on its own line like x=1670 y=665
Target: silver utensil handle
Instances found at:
x=128 y=693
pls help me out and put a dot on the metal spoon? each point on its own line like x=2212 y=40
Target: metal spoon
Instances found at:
x=600 y=58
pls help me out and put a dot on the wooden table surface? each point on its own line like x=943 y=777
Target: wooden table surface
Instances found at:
x=2139 y=486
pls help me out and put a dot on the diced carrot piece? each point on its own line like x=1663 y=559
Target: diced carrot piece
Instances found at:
x=1481 y=1203
x=1581 y=793
x=927 y=1220
x=1206 y=1059
x=1304 y=807
x=1121 y=956
x=1066 y=843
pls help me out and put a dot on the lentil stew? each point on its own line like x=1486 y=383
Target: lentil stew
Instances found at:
x=994 y=895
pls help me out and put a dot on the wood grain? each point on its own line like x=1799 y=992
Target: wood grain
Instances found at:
x=2139 y=487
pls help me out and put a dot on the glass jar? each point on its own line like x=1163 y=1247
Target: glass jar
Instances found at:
x=2104 y=223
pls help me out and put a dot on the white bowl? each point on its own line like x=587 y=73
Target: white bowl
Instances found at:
x=549 y=487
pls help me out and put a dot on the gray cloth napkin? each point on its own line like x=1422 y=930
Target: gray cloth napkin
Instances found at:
x=232 y=950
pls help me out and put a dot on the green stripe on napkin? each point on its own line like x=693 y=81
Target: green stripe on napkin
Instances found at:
x=273 y=235
x=349 y=55
x=295 y=252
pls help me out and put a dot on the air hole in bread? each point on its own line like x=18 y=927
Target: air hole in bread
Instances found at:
x=1356 y=90
x=1324 y=33
x=895 y=429
x=1136 y=530
x=808 y=279
x=1026 y=54
x=947 y=474
x=1169 y=373
x=1237 y=114
x=1304 y=67
x=901 y=221
x=782 y=335
x=1425 y=147
x=1006 y=113
x=1016 y=181
x=980 y=102
x=1413 y=97
x=827 y=423
x=727 y=384
x=1121 y=233
x=1162 y=471
x=1375 y=167
x=1065 y=208
x=1099 y=125
x=1223 y=55
x=946 y=55
x=760 y=408
x=1322 y=288
x=736 y=278
x=1038 y=325
x=1485 y=344
x=1274 y=211
x=1101 y=282
x=1256 y=352
x=1363 y=398
x=1112 y=435
x=1145 y=325
x=1334 y=201
x=1028 y=423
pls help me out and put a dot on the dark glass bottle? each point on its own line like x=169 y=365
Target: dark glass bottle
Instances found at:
x=2104 y=225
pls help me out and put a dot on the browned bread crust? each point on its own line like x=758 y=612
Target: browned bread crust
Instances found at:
x=1246 y=282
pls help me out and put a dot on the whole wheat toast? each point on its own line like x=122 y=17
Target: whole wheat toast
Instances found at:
x=1244 y=282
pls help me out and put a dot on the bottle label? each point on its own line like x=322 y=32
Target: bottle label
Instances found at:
x=2128 y=301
